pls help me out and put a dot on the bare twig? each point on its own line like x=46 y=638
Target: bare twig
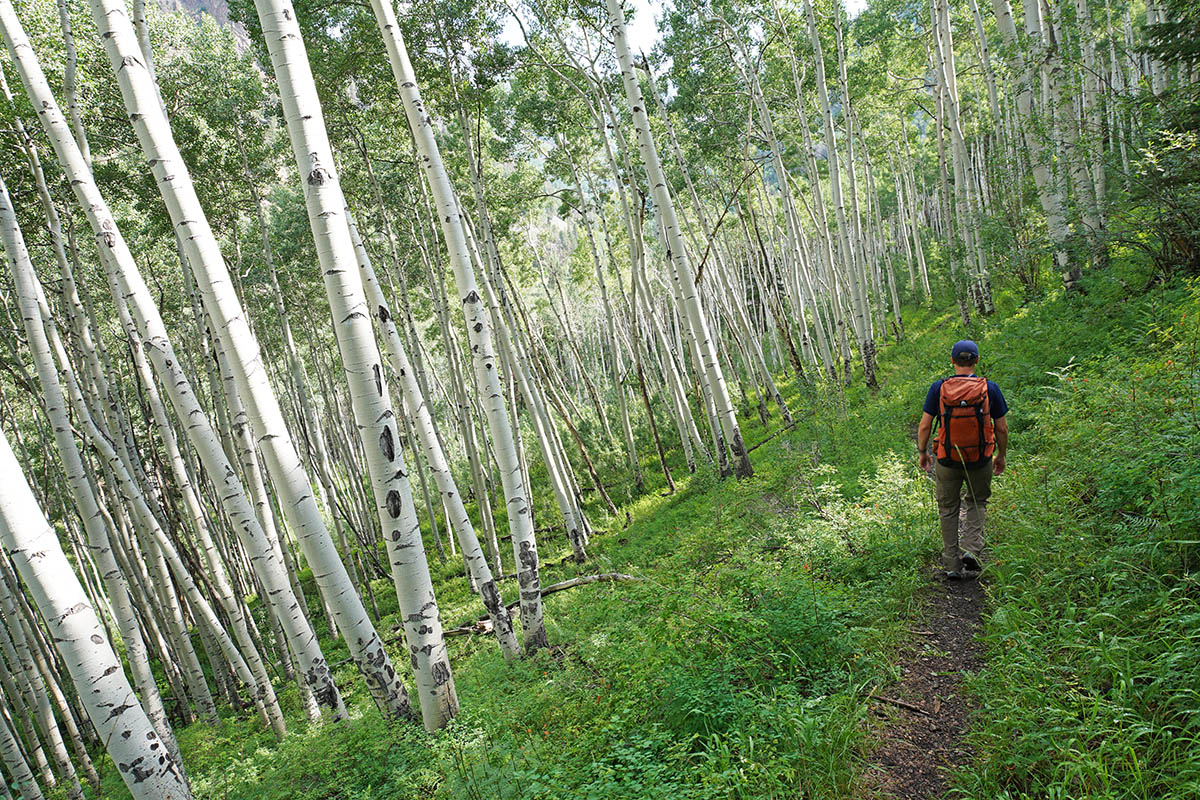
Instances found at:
x=900 y=704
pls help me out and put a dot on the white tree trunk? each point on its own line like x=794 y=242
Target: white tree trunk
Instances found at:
x=23 y=782
x=221 y=301
x=478 y=330
x=117 y=257
x=97 y=534
x=677 y=251
x=1049 y=194
x=363 y=366
x=149 y=771
x=439 y=467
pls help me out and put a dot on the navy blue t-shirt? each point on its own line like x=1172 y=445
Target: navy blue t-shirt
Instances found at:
x=996 y=404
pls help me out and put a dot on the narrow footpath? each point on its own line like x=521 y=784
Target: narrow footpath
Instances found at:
x=922 y=718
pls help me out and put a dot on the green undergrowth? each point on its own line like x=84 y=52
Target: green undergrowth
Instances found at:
x=765 y=611
x=734 y=666
x=1092 y=683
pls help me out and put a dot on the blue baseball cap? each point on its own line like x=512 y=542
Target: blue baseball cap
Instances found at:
x=964 y=348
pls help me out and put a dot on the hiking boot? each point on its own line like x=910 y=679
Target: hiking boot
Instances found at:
x=952 y=575
x=970 y=563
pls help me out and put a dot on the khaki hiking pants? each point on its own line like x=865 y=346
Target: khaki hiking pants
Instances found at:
x=962 y=497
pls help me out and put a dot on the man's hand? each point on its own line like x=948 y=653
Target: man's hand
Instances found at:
x=924 y=429
x=1001 y=444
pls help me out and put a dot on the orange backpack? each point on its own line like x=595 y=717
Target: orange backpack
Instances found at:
x=965 y=436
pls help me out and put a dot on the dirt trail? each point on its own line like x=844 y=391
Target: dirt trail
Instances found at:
x=922 y=718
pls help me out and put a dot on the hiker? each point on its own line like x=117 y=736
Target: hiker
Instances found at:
x=972 y=440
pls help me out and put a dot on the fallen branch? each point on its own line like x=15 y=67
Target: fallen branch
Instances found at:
x=900 y=704
x=603 y=577
x=483 y=625
x=772 y=436
x=568 y=558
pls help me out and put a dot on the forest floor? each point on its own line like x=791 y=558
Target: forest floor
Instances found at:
x=923 y=717
x=770 y=612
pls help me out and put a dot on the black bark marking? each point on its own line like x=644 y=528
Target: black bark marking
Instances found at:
x=318 y=175
x=387 y=443
x=528 y=555
x=384 y=316
x=490 y=596
x=441 y=673
x=378 y=384
x=119 y=710
x=324 y=691
x=137 y=770
x=393 y=503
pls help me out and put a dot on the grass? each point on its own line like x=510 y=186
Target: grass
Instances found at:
x=767 y=610
x=1092 y=684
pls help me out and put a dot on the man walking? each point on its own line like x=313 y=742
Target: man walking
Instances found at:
x=971 y=443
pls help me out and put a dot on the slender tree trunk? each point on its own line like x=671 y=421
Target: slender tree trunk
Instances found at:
x=1049 y=194
x=677 y=253
x=435 y=457
x=363 y=366
x=116 y=256
x=478 y=330
x=23 y=782
x=28 y=539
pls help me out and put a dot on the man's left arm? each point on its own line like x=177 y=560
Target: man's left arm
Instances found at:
x=1001 y=428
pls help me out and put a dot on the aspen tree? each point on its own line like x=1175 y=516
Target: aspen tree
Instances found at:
x=439 y=467
x=262 y=406
x=966 y=201
x=99 y=548
x=69 y=716
x=1049 y=194
x=478 y=330
x=69 y=79
x=754 y=360
x=712 y=374
x=15 y=649
x=23 y=781
x=119 y=263
x=363 y=366
x=143 y=761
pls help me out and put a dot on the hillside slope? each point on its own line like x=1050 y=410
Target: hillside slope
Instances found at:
x=765 y=613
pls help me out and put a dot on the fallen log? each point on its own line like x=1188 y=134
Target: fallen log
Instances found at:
x=784 y=429
x=483 y=625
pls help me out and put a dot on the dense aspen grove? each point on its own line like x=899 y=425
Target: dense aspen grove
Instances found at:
x=325 y=302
